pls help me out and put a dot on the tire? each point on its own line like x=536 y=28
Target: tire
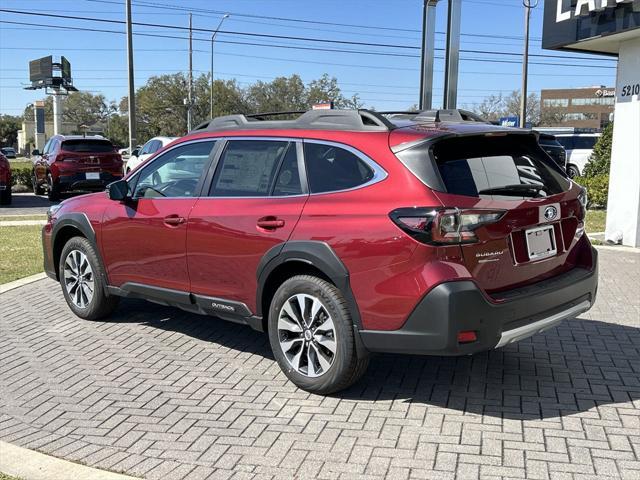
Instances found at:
x=289 y=338
x=5 y=196
x=90 y=307
x=572 y=171
x=37 y=189
x=53 y=191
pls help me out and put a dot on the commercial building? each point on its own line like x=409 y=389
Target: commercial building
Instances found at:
x=585 y=108
x=609 y=27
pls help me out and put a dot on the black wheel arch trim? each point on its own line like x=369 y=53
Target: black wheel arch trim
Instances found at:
x=80 y=222
x=316 y=253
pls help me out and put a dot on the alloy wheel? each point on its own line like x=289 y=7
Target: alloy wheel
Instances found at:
x=307 y=335
x=78 y=278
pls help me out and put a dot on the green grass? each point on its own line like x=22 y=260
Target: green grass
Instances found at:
x=17 y=218
x=20 y=252
x=596 y=220
x=21 y=164
x=4 y=476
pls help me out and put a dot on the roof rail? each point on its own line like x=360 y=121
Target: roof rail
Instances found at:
x=358 y=120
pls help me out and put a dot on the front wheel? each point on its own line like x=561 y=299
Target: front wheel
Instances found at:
x=572 y=171
x=312 y=336
x=82 y=281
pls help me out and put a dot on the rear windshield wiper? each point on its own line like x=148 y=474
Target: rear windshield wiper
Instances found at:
x=518 y=189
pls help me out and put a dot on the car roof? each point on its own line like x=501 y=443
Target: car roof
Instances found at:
x=594 y=134
x=81 y=137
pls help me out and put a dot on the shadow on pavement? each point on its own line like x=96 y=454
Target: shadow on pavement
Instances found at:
x=569 y=369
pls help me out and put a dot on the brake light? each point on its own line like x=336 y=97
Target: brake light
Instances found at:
x=443 y=225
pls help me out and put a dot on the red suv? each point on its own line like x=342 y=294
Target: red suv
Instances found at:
x=339 y=233
x=75 y=162
x=5 y=181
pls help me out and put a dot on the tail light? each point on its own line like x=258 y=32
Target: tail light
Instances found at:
x=443 y=225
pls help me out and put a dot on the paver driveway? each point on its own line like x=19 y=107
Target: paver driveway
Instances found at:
x=159 y=393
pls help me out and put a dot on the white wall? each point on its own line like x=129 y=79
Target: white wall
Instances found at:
x=623 y=209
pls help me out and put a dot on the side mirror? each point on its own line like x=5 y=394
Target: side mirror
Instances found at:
x=35 y=152
x=134 y=153
x=118 y=190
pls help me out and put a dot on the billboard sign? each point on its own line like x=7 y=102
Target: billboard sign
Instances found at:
x=65 y=68
x=509 y=121
x=41 y=69
x=567 y=23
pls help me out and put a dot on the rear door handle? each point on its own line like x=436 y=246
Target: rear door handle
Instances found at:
x=270 y=223
x=174 y=220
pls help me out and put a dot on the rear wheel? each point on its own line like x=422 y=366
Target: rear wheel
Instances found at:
x=53 y=189
x=82 y=281
x=5 y=196
x=312 y=337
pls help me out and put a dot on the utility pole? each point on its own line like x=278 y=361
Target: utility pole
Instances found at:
x=525 y=60
x=190 y=97
x=428 y=48
x=131 y=99
x=213 y=39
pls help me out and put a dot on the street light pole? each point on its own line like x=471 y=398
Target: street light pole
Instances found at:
x=190 y=86
x=525 y=60
x=213 y=38
x=132 y=92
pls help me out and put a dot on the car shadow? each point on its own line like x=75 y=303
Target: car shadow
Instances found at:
x=573 y=368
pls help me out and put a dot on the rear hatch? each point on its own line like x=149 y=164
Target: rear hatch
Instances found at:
x=533 y=213
x=91 y=155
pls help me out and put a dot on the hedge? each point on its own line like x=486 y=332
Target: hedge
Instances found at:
x=21 y=176
x=597 y=189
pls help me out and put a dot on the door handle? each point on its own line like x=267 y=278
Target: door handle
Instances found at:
x=174 y=220
x=270 y=223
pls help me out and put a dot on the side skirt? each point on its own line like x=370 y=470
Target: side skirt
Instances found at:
x=229 y=310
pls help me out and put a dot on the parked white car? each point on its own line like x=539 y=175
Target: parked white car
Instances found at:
x=579 y=147
x=148 y=149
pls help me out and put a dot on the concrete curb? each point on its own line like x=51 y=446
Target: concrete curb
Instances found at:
x=21 y=223
x=615 y=248
x=30 y=465
x=5 y=287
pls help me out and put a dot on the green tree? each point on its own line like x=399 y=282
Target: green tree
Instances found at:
x=326 y=89
x=84 y=108
x=600 y=160
x=48 y=110
x=9 y=126
x=281 y=94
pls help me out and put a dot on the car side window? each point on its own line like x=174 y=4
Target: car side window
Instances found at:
x=247 y=168
x=155 y=146
x=175 y=173
x=288 y=179
x=585 y=143
x=146 y=147
x=45 y=149
x=331 y=168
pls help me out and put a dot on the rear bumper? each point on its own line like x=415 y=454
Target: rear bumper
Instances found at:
x=432 y=328
x=79 y=181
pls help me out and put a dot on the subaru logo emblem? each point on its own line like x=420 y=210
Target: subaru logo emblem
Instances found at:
x=550 y=213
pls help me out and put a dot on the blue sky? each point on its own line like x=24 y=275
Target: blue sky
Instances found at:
x=385 y=82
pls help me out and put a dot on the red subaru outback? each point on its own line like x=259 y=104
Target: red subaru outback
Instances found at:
x=339 y=233
x=75 y=162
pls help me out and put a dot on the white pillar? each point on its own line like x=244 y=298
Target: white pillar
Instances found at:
x=57 y=113
x=623 y=206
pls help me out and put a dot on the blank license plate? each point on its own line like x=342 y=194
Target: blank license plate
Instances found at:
x=541 y=242
x=93 y=175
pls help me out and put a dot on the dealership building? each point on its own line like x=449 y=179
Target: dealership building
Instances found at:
x=609 y=27
x=588 y=108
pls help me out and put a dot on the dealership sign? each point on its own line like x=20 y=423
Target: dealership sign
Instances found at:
x=569 y=22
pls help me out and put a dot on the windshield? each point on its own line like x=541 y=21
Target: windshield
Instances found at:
x=89 y=146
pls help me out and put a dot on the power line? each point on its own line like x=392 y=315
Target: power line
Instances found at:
x=293 y=47
x=287 y=37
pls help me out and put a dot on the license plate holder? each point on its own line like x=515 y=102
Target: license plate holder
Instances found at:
x=92 y=175
x=541 y=242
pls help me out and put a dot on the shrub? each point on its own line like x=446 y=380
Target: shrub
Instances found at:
x=597 y=189
x=600 y=160
x=21 y=176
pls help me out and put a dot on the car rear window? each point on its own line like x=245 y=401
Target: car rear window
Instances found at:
x=90 y=146
x=509 y=166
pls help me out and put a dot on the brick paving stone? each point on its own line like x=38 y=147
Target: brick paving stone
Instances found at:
x=163 y=394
